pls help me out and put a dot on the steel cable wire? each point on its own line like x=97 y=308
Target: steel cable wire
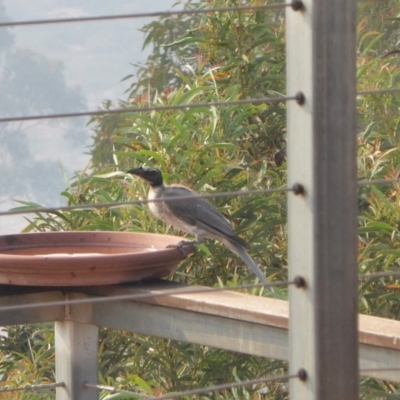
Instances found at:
x=193 y=392
x=298 y=281
x=126 y=110
x=237 y=193
x=143 y=15
x=255 y=101
x=226 y=386
x=33 y=387
x=295 y=188
x=141 y=296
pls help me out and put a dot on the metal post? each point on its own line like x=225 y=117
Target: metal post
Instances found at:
x=76 y=360
x=322 y=221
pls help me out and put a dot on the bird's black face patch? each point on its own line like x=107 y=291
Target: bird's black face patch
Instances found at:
x=151 y=175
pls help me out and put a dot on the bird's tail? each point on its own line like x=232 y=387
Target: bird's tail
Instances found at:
x=242 y=253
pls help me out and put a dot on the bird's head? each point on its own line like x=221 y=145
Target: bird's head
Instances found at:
x=151 y=175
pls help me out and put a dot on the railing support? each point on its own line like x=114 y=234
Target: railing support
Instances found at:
x=323 y=220
x=76 y=360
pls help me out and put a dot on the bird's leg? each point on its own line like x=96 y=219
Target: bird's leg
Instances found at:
x=186 y=247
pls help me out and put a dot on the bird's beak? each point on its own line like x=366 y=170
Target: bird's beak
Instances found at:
x=136 y=171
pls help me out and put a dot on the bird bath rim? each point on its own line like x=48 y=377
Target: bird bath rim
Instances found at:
x=85 y=258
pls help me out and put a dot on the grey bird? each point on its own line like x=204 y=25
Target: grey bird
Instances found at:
x=195 y=215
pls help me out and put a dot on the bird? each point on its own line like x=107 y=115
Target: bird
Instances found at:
x=193 y=215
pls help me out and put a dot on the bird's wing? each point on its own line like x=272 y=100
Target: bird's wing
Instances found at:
x=199 y=212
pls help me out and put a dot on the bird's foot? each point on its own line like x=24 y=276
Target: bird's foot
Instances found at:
x=186 y=247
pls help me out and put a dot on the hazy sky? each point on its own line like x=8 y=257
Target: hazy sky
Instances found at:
x=95 y=56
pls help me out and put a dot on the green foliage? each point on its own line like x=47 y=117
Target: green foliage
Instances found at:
x=26 y=358
x=378 y=158
x=220 y=56
x=223 y=57
x=167 y=366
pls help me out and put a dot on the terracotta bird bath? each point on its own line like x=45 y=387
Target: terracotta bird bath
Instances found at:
x=86 y=258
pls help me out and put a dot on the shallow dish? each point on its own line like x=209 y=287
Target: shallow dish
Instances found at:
x=86 y=258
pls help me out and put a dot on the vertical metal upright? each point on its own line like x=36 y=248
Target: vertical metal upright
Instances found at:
x=323 y=221
x=76 y=347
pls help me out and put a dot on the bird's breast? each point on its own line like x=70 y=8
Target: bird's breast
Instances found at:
x=161 y=210
x=157 y=208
